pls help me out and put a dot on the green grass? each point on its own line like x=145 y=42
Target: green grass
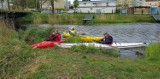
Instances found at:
x=77 y=18
x=117 y=18
x=19 y=60
x=94 y=50
x=153 y=52
x=75 y=39
x=35 y=34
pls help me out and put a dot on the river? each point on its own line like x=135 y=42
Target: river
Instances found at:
x=123 y=33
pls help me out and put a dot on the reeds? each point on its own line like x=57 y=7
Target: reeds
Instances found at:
x=117 y=18
x=78 y=18
x=6 y=34
x=65 y=19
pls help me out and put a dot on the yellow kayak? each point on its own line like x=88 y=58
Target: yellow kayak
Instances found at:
x=66 y=34
x=84 y=38
x=90 y=38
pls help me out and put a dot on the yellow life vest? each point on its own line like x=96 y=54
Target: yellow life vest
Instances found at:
x=72 y=31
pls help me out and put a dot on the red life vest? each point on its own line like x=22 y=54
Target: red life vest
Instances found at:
x=58 y=38
x=50 y=36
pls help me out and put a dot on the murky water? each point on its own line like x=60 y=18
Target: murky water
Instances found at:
x=128 y=32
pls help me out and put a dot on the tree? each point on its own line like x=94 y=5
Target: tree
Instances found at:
x=75 y=3
x=52 y=5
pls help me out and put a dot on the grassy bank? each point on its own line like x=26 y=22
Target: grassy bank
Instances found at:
x=37 y=18
x=19 y=60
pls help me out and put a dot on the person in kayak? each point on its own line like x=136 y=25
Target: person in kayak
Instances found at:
x=55 y=36
x=72 y=32
x=107 y=39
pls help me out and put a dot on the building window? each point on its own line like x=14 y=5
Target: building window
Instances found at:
x=95 y=4
x=107 y=4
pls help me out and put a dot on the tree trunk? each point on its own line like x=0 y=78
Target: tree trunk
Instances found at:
x=41 y=5
x=52 y=4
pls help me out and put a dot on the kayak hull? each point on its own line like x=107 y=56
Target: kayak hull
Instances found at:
x=117 y=45
x=46 y=44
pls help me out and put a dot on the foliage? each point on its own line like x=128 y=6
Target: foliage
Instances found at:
x=75 y=3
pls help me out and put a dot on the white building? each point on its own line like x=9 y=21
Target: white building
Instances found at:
x=138 y=2
x=105 y=6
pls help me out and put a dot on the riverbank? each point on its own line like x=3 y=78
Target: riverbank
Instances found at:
x=40 y=18
x=19 y=60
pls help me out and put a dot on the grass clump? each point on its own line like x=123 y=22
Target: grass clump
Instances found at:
x=13 y=53
x=35 y=34
x=153 y=51
x=74 y=39
x=92 y=49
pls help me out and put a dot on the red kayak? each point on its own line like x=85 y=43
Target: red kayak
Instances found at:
x=46 y=44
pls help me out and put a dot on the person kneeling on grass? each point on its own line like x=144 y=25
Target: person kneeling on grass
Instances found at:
x=55 y=36
x=107 y=39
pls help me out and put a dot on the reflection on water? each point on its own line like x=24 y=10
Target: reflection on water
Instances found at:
x=128 y=32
